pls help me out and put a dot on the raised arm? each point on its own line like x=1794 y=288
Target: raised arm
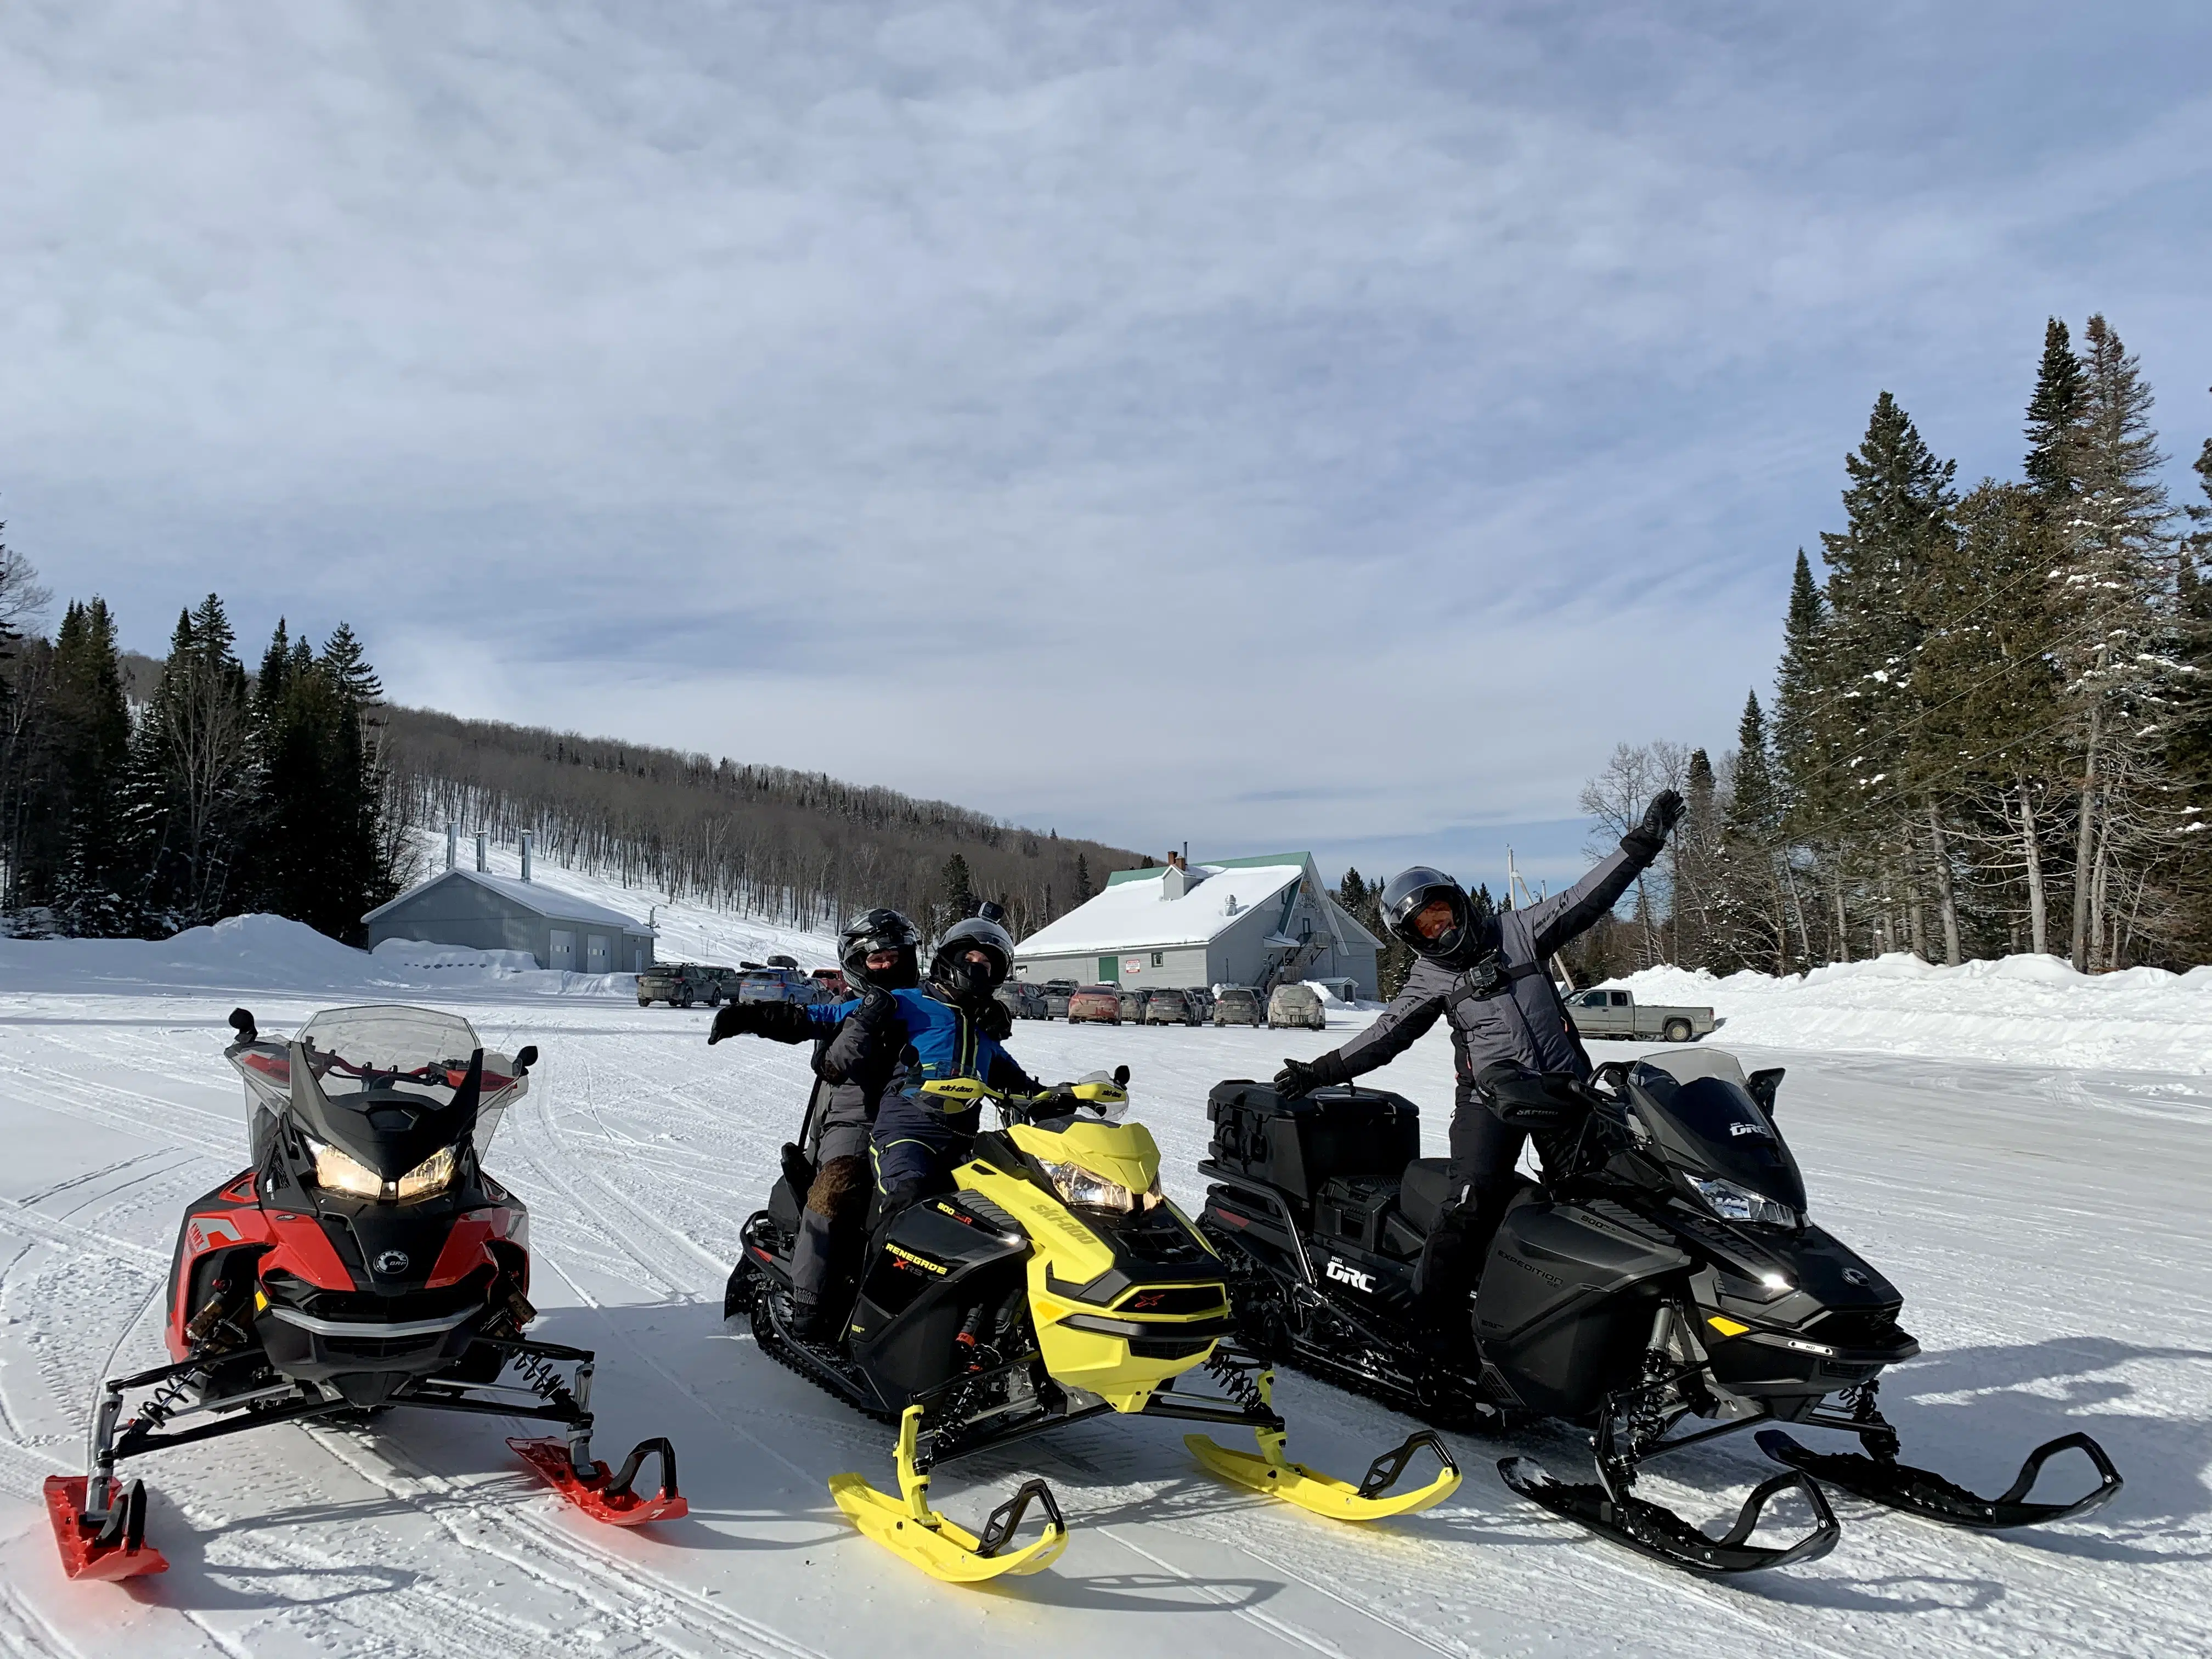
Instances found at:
x=1561 y=917
x=1394 y=1031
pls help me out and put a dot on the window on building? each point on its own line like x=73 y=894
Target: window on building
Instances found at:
x=1160 y=957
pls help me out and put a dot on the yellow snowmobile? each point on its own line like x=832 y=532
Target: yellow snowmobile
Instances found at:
x=1057 y=1283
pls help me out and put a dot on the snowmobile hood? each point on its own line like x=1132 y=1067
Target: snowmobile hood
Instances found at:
x=1124 y=1153
x=1711 y=1126
x=387 y=1127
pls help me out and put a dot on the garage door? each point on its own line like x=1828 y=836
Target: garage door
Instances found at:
x=597 y=959
x=564 y=950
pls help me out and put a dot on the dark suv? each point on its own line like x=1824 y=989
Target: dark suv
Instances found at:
x=1168 y=1007
x=1238 y=1004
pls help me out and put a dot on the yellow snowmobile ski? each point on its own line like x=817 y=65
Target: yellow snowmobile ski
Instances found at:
x=1275 y=1474
x=910 y=1529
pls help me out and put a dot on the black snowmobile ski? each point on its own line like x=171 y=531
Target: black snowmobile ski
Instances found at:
x=1921 y=1493
x=1664 y=1535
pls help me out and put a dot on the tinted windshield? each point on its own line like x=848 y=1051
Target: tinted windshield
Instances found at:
x=1712 y=1122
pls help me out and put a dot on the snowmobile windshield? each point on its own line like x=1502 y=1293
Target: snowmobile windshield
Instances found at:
x=1711 y=1127
x=389 y=1087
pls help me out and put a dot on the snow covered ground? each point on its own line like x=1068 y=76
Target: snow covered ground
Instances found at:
x=2049 y=1227
x=2023 y=1010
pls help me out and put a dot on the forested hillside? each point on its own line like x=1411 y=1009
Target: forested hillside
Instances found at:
x=1990 y=730
x=797 y=846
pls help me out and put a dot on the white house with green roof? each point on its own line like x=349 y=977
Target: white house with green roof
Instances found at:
x=1257 y=922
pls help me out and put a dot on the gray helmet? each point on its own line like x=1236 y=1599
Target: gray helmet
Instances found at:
x=1412 y=891
x=880 y=929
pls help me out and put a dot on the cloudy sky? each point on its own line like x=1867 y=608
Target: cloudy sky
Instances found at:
x=1262 y=425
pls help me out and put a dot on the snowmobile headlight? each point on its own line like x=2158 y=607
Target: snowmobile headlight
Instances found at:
x=433 y=1175
x=1079 y=1186
x=337 y=1173
x=1733 y=1203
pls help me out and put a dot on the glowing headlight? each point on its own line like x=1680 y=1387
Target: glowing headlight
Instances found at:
x=433 y=1175
x=338 y=1173
x=1081 y=1186
x=1733 y=1203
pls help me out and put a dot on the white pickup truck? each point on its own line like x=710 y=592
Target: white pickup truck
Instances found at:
x=1618 y=1014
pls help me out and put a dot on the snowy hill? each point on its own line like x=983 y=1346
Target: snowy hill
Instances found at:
x=2023 y=1010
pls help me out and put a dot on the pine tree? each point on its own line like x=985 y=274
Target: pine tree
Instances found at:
x=192 y=789
x=91 y=736
x=2113 y=571
x=1752 y=906
x=1083 y=887
x=1692 y=848
x=2053 y=410
x=956 y=893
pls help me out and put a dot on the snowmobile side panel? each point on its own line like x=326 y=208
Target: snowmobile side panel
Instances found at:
x=303 y=1250
x=85 y=1554
x=468 y=1246
x=603 y=1495
x=1665 y=1536
x=1566 y=1304
x=1929 y=1496
x=933 y=1269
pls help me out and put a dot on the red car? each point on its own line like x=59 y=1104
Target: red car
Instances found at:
x=1098 y=1004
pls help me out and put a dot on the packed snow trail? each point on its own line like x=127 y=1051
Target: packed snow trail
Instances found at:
x=2049 y=1229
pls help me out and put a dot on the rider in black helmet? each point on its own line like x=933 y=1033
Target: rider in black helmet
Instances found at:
x=1485 y=972
x=879 y=951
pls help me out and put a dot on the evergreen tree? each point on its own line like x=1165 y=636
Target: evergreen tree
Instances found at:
x=1750 y=906
x=192 y=788
x=2053 y=410
x=956 y=893
x=1083 y=887
x=91 y=736
x=2112 y=576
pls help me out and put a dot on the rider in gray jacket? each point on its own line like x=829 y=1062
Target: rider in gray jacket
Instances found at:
x=1486 y=975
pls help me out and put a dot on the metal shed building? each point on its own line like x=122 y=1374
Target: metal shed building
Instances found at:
x=1258 y=921
x=485 y=912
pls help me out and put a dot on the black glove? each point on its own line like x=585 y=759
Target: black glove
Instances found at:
x=1302 y=1076
x=735 y=1019
x=994 y=1021
x=1522 y=1099
x=1648 y=837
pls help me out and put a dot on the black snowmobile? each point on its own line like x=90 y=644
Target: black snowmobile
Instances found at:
x=1664 y=1270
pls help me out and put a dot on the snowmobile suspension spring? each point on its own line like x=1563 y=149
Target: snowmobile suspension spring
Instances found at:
x=543 y=1378
x=1236 y=1382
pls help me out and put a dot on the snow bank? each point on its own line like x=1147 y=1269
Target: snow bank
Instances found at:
x=2024 y=1010
x=263 y=953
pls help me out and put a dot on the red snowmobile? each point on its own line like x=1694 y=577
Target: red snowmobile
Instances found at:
x=364 y=1260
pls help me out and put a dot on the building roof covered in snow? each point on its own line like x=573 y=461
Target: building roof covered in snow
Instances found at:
x=1151 y=909
x=541 y=901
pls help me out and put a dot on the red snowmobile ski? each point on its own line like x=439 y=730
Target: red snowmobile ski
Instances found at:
x=365 y=1260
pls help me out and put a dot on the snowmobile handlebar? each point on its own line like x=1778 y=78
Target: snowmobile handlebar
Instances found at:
x=1104 y=1093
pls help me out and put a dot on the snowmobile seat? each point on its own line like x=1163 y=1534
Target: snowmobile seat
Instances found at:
x=1423 y=1192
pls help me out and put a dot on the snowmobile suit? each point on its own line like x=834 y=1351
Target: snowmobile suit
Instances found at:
x=915 y=1145
x=1504 y=1008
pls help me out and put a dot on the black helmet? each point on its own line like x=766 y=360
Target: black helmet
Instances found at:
x=969 y=983
x=1412 y=891
x=876 y=930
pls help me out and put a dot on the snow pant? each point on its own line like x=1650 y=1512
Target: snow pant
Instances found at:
x=1483 y=1153
x=834 y=1218
x=916 y=1149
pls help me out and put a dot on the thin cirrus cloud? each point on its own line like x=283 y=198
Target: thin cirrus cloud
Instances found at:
x=1262 y=425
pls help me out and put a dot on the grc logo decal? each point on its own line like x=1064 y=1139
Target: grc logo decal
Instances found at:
x=1345 y=1274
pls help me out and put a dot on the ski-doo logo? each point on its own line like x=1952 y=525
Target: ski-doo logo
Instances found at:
x=1344 y=1274
x=392 y=1263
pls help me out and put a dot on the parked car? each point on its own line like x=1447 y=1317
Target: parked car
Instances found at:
x=1619 y=1014
x=780 y=985
x=1133 y=1006
x=1239 y=1005
x=1168 y=1007
x=1021 y=1002
x=680 y=984
x=834 y=984
x=1201 y=1004
x=1296 y=1004
x=1095 y=1005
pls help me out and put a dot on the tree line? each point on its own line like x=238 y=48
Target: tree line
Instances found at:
x=219 y=791
x=799 y=848
x=1990 y=730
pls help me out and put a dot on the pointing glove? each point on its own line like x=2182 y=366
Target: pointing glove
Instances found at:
x=734 y=1020
x=1299 y=1078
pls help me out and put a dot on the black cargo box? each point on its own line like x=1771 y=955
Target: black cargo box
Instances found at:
x=1297 y=1144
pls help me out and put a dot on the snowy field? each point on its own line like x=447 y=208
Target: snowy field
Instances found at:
x=2050 y=1228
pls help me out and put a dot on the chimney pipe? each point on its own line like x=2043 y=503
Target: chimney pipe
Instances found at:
x=525 y=855
x=484 y=853
x=452 y=844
